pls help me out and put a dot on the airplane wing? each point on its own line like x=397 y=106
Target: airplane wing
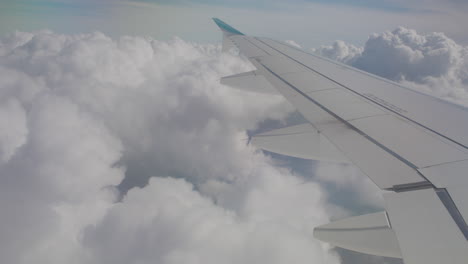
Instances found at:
x=411 y=145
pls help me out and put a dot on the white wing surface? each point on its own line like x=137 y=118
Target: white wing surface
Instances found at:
x=410 y=144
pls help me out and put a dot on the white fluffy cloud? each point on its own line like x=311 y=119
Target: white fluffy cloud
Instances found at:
x=355 y=190
x=13 y=130
x=340 y=51
x=84 y=118
x=169 y=222
x=429 y=62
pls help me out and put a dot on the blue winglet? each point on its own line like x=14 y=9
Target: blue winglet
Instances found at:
x=226 y=28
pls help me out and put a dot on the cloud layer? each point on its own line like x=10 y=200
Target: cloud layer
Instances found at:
x=85 y=119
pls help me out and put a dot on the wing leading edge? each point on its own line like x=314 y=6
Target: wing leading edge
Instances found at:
x=408 y=143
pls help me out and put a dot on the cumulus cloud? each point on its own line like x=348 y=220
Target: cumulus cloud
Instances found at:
x=354 y=189
x=431 y=62
x=339 y=51
x=169 y=222
x=13 y=129
x=86 y=121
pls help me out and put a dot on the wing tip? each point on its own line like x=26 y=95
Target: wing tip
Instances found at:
x=226 y=28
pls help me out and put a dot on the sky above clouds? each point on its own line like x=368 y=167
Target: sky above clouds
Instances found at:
x=310 y=22
x=119 y=145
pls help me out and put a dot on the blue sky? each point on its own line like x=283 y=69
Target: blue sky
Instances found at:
x=311 y=23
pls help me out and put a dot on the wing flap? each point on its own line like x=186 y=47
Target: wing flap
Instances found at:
x=370 y=234
x=301 y=141
x=249 y=81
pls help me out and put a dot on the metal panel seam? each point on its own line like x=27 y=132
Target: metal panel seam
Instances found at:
x=353 y=229
x=444 y=163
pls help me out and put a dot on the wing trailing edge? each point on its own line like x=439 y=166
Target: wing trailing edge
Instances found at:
x=249 y=81
x=301 y=141
x=371 y=234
